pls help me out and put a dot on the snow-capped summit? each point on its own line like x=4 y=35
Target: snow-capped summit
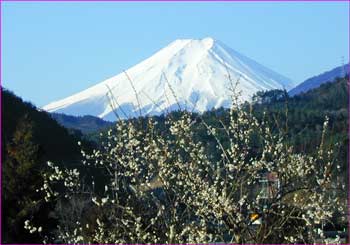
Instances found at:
x=196 y=71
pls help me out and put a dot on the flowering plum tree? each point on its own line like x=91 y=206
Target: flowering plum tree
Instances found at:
x=169 y=188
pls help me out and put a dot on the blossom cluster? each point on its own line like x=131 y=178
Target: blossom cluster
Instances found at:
x=168 y=188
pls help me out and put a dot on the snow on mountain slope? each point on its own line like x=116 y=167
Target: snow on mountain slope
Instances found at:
x=196 y=71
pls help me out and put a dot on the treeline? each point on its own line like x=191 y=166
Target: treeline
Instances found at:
x=85 y=124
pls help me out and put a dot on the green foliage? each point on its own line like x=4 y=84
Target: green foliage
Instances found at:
x=21 y=176
x=270 y=96
x=302 y=116
x=86 y=124
x=54 y=140
x=29 y=138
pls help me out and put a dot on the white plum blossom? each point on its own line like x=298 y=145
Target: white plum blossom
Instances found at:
x=169 y=188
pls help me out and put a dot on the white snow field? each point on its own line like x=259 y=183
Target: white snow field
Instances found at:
x=195 y=70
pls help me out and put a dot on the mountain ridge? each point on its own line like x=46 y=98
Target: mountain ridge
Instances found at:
x=318 y=80
x=192 y=73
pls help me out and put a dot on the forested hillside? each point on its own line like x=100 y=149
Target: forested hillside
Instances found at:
x=302 y=116
x=86 y=124
x=29 y=139
x=55 y=141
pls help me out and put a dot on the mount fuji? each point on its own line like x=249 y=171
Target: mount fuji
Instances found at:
x=193 y=74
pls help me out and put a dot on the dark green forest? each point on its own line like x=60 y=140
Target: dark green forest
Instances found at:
x=31 y=137
x=85 y=124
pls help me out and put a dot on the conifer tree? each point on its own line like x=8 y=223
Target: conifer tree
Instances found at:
x=21 y=176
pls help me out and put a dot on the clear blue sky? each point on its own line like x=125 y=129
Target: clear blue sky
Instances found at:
x=52 y=50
